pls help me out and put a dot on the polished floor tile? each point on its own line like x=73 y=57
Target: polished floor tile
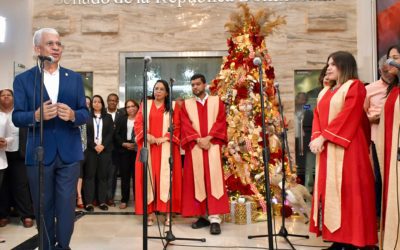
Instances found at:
x=114 y=230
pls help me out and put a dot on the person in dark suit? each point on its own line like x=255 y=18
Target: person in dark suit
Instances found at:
x=64 y=110
x=126 y=147
x=99 y=129
x=112 y=109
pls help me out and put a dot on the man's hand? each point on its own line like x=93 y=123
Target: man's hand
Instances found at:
x=3 y=143
x=204 y=142
x=65 y=112
x=317 y=145
x=49 y=111
x=128 y=145
x=99 y=148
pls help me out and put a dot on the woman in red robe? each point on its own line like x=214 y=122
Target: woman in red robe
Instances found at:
x=388 y=138
x=343 y=209
x=159 y=152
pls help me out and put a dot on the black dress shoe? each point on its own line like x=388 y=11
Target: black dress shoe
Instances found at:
x=200 y=223
x=215 y=228
x=339 y=246
x=103 y=207
x=89 y=208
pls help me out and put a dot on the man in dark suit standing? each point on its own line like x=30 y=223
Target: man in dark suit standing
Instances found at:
x=116 y=114
x=64 y=109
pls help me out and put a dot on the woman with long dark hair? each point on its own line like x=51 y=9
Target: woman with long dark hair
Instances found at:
x=388 y=151
x=82 y=128
x=343 y=209
x=100 y=128
x=126 y=147
x=158 y=141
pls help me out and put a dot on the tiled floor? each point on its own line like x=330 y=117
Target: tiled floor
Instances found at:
x=124 y=231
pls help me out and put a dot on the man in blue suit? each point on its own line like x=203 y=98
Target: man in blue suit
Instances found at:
x=64 y=110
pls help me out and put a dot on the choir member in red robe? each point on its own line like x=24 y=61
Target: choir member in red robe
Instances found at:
x=203 y=134
x=158 y=143
x=343 y=208
x=388 y=151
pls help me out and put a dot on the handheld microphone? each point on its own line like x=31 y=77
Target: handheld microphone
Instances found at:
x=46 y=58
x=257 y=61
x=147 y=59
x=393 y=63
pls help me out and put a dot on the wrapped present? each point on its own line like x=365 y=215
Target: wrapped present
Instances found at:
x=231 y=216
x=245 y=213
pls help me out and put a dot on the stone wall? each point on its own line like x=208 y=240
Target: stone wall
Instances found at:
x=95 y=34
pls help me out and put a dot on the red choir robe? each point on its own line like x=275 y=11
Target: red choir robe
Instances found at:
x=197 y=122
x=343 y=207
x=158 y=122
x=387 y=146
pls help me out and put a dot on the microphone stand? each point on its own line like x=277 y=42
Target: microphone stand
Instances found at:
x=169 y=234
x=266 y=157
x=144 y=154
x=40 y=157
x=283 y=231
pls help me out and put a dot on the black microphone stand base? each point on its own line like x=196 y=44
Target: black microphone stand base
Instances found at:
x=169 y=237
x=282 y=233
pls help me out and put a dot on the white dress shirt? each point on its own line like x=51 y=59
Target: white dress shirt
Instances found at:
x=98 y=129
x=12 y=146
x=203 y=102
x=129 y=129
x=112 y=114
x=4 y=133
x=52 y=84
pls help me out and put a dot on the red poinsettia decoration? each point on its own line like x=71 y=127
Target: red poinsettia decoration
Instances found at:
x=234 y=184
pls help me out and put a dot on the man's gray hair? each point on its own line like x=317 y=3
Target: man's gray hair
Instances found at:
x=37 y=37
x=382 y=61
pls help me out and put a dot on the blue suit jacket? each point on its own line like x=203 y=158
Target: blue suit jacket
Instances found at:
x=59 y=137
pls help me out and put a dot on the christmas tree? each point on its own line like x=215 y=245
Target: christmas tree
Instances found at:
x=238 y=86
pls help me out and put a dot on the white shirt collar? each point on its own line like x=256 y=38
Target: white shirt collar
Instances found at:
x=204 y=99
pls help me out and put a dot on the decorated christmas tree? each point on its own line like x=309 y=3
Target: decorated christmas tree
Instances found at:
x=239 y=88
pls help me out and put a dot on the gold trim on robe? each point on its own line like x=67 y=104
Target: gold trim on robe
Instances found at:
x=334 y=168
x=164 y=167
x=214 y=155
x=390 y=233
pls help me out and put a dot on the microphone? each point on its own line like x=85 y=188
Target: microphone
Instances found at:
x=257 y=61
x=171 y=80
x=46 y=58
x=393 y=63
x=147 y=59
x=276 y=85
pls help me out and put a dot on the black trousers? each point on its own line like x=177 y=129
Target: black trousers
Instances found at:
x=378 y=180
x=127 y=173
x=112 y=175
x=95 y=172
x=15 y=189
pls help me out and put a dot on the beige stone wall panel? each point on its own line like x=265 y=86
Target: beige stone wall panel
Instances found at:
x=97 y=34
